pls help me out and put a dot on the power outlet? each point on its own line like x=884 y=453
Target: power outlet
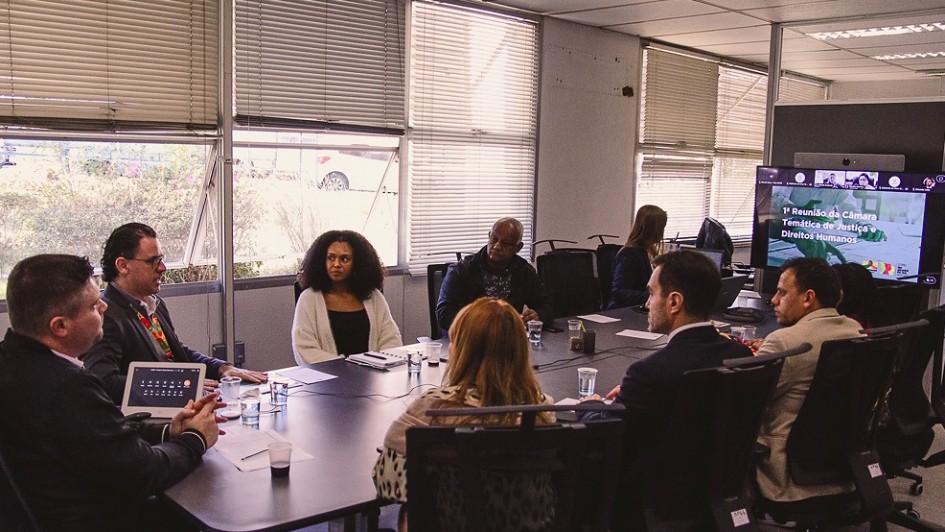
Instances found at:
x=219 y=351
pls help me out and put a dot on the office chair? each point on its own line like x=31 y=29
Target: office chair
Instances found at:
x=700 y=480
x=606 y=255
x=15 y=513
x=556 y=477
x=568 y=276
x=297 y=288
x=713 y=235
x=435 y=275
x=832 y=439
x=907 y=421
x=897 y=303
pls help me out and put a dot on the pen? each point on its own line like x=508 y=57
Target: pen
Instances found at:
x=372 y=355
x=253 y=454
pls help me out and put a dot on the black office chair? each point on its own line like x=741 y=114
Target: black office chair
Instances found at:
x=297 y=288
x=435 y=275
x=15 y=513
x=907 y=421
x=568 y=276
x=897 y=303
x=713 y=235
x=701 y=479
x=832 y=439
x=606 y=255
x=558 y=477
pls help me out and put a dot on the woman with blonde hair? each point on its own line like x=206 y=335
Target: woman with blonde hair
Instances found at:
x=632 y=267
x=489 y=365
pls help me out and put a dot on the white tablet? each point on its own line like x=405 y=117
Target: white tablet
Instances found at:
x=162 y=388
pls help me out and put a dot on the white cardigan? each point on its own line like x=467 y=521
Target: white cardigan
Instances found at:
x=312 y=340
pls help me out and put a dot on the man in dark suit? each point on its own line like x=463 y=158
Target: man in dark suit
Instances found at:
x=138 y=325
x=79 y=465
x=495 y=271
x=682 y=288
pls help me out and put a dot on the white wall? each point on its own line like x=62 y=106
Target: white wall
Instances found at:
x=587 y=132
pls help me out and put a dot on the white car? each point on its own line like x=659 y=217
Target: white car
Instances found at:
x=361 y=170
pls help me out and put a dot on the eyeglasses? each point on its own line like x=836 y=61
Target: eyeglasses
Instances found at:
x=154 y=261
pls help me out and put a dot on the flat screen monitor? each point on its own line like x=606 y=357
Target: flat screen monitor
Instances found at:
x=893 y=223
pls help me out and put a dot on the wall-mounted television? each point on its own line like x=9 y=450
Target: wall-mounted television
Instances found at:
x=891 y=222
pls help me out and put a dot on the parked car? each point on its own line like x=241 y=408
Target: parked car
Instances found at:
x=356 y=171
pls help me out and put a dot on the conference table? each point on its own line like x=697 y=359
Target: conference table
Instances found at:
x=341 y=422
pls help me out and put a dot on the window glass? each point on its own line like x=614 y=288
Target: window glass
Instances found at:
x=67 y=196
x=306 y=183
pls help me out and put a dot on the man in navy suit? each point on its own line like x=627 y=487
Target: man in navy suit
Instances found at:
x=682 y=289
x=79 y=464
x=138 y=325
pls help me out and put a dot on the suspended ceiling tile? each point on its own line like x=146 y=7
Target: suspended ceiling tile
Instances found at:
x=659 y=10
x=546 y=7
x=737 y=35
x=802 y=11
x=682 y=25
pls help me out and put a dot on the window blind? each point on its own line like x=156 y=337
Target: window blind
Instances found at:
x=702 y=132
x=332 y=61
x=473 y=117
x=152 y=63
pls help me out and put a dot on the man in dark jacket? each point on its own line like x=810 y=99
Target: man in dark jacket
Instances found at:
x=682 y=288
x=138 y=325
x=496 y=271
x=78 y=464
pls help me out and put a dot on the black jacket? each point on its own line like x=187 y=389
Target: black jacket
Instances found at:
x=463 y=284
x=79 y=466
x=126 y=340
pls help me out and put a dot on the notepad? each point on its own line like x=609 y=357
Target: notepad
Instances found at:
x=639 y=334
x=380 y=359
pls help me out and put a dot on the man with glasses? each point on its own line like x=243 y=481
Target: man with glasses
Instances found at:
x=496 y=271
x=138 y=325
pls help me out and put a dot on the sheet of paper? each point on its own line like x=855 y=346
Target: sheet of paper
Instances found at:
x=597 y=318
x=720 y=324
x=568 y=401
x=305 y=375
x=241 y=442
x=645 y=335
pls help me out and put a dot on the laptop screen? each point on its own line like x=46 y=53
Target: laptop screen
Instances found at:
x=155 y=387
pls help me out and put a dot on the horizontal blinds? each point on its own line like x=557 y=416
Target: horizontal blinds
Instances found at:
x=681 y=100
x=130 y=61
x=733 y=192
x=474 y=110
x=335 y=61
x=678 y=182
x=742 y=102
x=797 y=90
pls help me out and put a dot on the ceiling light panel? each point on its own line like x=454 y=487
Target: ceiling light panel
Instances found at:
x=884 y=31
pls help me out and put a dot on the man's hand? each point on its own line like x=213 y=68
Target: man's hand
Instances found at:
x=199 y=416
x=255 y=377
x=209 y=385
x=529 y=315
x=193 y=409
x=612 y=394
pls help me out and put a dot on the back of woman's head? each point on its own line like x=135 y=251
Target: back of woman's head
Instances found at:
x=490 y=355
x=857 y=287
x=647 y=230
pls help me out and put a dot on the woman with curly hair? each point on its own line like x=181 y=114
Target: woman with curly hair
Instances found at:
x=489 y=365
x=341 y=310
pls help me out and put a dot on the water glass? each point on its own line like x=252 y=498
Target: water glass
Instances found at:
x=743 y=332
x=433 y=353
x=587 y=378
x=278 y=391
x=534 y=332
x=280 y=457
x=414 y=361
x=574 y=328
x=230 y=394
x=249 y=411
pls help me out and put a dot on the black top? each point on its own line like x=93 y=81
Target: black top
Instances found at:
x=350 y=330
x=632 y=270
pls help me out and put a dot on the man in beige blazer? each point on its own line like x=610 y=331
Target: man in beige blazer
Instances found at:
x=808 y=292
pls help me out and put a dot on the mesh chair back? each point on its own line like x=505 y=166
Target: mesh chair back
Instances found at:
x=832 y=439
x=568 y=276
x=606 y=256
x=435 y=275
x=15 y=514
x=543 y=478
x=702 y=475
x=897 y=303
